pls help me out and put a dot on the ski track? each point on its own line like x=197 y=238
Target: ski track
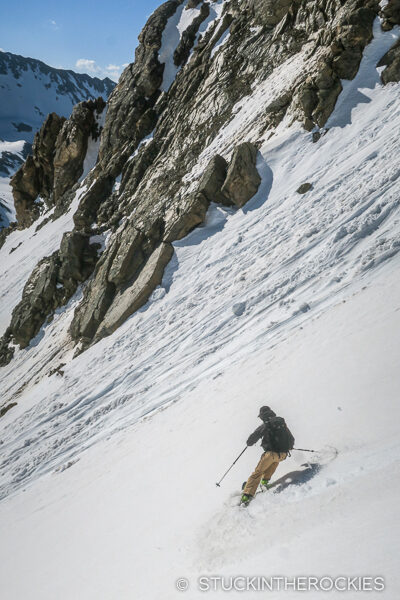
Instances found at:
x=282 y=259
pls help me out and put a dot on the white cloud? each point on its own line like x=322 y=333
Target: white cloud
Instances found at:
x=86 y=65
x=2 y=50
x=53 y=24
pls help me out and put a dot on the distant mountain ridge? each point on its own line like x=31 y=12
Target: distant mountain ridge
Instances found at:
x=30 y=90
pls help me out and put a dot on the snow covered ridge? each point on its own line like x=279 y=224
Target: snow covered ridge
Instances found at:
x=30 y=90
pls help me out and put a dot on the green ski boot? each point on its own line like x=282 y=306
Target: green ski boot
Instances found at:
x=245 y=499
x=265 y=485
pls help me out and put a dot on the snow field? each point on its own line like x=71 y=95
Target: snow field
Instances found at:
x=145 y=499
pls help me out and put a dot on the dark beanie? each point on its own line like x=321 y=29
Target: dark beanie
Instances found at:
x=266 y=413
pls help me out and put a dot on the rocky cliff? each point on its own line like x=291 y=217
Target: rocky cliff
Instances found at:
x=162 y=158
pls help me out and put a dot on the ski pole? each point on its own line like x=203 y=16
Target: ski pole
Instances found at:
x=235 y=461
x=304 y=450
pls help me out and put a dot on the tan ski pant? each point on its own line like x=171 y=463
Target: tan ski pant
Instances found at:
x=266 y=467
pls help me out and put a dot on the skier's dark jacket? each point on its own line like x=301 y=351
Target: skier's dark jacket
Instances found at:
x=261 y=432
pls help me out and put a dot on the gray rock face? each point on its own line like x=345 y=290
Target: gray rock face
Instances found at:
x=184 y=47
x=4 y=409
x=36 y=176
x=270 y=12
x=391 y=62
x=58 y=153
x=25 y=186
x=340 y=46
x=391 y=15
x=142 y=249
x=184 y=215
x=44 y=148
x=137 y=92
x=213 y=179
x=117 y=269
x=99 y=191
x=72 y=144
x=129 y=300
x=38 y=300
x=242 y=179
x=51 y=284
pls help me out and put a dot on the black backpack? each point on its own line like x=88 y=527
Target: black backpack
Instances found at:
x=280 y=437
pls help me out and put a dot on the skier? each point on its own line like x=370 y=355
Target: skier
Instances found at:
x=277 y=441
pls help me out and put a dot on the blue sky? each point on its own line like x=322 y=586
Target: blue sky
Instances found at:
x=89 y=36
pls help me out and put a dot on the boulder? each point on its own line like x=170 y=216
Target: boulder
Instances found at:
x=304 y=188
x=184 y=215
x=242 y=179
x=213 y=179
x=135 y=296
x=391 y=62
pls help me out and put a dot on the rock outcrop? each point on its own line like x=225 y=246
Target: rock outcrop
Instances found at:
x=25 y=186
x=270 y=12
x=140 y=252
x=391 y=62
x=242 y=179
x=304 y=188
x=213 y=179
x=391 y=15
x=182 y=51
x=130 y=106
x=56 y=163
x=129 y=300
x=51 y=284
x=72 y=145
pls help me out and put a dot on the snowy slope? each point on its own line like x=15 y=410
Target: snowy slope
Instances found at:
x=140 y=510
x=293 y=302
